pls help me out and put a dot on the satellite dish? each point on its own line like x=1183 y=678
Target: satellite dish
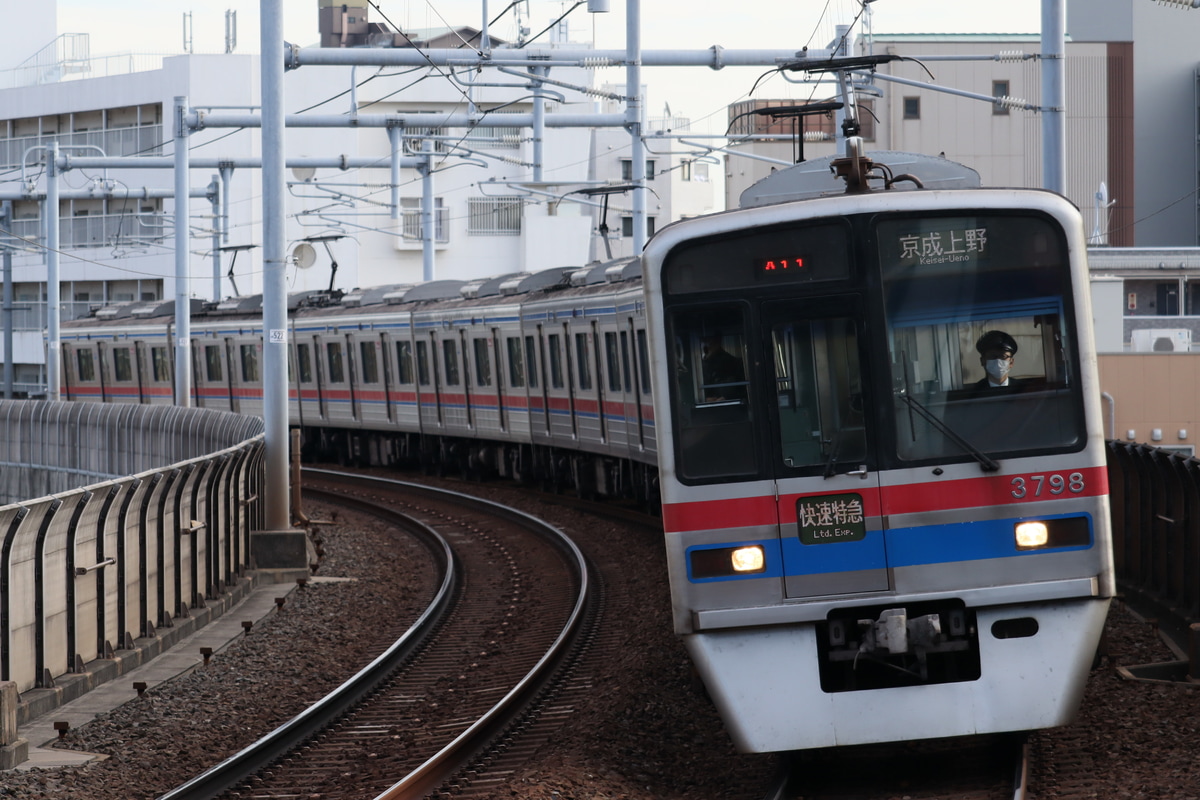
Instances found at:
x=304 y=255
x=303 y=173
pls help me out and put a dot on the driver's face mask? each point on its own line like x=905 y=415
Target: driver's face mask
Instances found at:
x=997 y=369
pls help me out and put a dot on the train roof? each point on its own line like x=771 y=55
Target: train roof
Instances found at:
x=521 y=287
x=815 y=178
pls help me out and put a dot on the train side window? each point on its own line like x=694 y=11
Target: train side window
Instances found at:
x=85 y=365
x=369 y=362
x=483 y=363
x=450 y=361
x=333 y=356
x=643 y=350
x=404 y=361
x=582 y=363
x=612 y=360
x=713 y=413
x=556 y=370
x=516 y=362
x=422 y=363
x=249 y=363
x=531 y=360
x=161 y=363
x=304 y=362
x=122 y=364
x=212 y=362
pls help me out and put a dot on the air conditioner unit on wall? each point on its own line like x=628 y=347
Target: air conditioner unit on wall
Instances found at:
x=1162 y=340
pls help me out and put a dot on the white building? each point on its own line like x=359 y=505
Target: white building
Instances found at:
x=497 y=208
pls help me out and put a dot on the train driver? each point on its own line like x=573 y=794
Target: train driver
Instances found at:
x=723 y=373
x=997 y=352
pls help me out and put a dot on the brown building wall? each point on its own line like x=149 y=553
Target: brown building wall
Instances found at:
x=1153 y=391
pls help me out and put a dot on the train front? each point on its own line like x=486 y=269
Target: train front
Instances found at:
x=882 y=463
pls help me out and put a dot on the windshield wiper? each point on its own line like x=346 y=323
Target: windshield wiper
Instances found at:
x=835 y=447
x=985 y=462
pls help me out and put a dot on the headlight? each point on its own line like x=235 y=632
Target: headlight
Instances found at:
x=1048 y=533
x=748 y=559
x=723 y=562
x=1031 y=535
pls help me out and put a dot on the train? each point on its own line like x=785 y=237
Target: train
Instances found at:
x=866 y=403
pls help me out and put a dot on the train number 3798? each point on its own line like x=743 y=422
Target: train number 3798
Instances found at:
x=1033 y=485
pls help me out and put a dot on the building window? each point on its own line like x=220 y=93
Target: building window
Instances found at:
x=494 y=216
x=627 y=169
x=627 y=227
x=410 y=214
x=912 y=108
x=999 y=90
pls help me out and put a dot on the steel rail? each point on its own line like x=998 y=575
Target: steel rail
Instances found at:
x=437 y=768
x=301 y=728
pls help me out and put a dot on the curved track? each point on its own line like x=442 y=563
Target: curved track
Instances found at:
x=513 y=599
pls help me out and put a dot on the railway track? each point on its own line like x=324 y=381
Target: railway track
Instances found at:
x=464 y=682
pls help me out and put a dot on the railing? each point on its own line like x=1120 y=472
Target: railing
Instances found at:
x=66 y=67
x=141 y=140
x=130 y=229
x=1155 y=496
x=86 y=570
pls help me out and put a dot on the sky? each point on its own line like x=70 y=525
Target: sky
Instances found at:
x=701 y=94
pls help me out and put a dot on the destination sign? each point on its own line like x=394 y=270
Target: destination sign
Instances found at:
x=825 y=519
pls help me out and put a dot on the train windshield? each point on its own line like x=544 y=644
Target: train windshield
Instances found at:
x=715 y=418
x=979 y=336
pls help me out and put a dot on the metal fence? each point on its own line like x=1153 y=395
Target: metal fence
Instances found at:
x=133 y=140
x=1155 y=496
x=84 y=571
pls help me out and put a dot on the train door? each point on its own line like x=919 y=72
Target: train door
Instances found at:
x=461 y=346
x=493 y=343
x=388 y=374
x=102 y=367
x=352 y=374
x=140 y=369
x=601 y=419
x=318 y=360
x=231 y=378
x=831 y=528
x=540 y=400
x=429 y=374
x=633 y=389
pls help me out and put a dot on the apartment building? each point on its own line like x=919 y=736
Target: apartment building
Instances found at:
x=497 y=208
